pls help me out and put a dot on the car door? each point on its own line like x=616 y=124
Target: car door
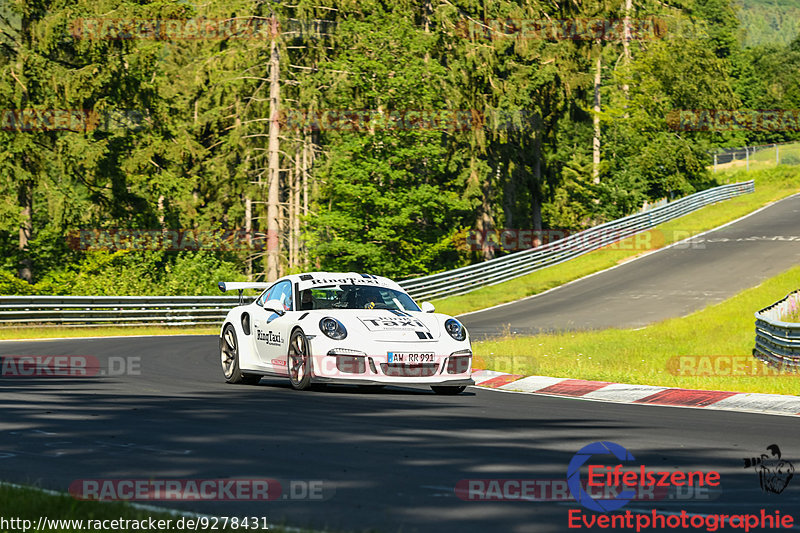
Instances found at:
x=272 y=330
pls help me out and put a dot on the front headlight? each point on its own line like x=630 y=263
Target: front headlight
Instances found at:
x=455 y=329
x=332 y=328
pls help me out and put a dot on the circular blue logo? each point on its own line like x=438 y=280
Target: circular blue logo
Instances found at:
x=574 y=476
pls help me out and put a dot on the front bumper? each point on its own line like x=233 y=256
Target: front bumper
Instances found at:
x=365 y=381
x=448 y=370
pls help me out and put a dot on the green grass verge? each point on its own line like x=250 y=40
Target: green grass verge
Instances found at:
x=785 y=150
x=650 y=355
x=58 y=332
x=789 y=154
x=771 y=185
x=30 y=504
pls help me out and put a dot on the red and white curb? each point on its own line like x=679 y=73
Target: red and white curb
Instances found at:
x=605 y=391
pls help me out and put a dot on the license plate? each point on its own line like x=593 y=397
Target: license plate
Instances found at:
x=410 y=357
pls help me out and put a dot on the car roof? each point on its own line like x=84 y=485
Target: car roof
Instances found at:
x=318 y=279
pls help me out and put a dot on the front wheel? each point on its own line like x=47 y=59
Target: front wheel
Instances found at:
x=299 y=361
x=229 y=357
x=448 y=391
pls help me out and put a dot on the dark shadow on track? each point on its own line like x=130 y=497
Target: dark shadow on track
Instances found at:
x=391 y=459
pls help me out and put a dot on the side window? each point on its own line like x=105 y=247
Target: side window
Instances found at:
x=264 y=298
x=280 y=291
x=283 y=293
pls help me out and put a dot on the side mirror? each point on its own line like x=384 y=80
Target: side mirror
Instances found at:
x=275 y=306
x=427 y=307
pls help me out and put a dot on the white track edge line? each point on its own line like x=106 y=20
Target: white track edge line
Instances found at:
x=604 y=400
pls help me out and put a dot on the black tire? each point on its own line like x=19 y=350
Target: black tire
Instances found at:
x=229 y=358
x=448 y=391
x=298 y=361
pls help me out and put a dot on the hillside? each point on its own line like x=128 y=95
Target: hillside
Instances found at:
x=769 y=21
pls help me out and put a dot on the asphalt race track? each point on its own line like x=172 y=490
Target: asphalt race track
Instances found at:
x=670 y=283
x=389 y=461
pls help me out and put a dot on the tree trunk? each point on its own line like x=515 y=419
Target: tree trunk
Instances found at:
x=509 y=195
x=292 y=208
x=161 y=217
x=26 y=231
x=427 y=10
x=25 y=191
x=248 y=230
x=626 y=43
x=536 y=186
x=273 y=193
x=282 y=231
x=486 y=225
x=313 y=186
x=484 y=221
x=306 y=170
x=596 y=139
x=296 y=209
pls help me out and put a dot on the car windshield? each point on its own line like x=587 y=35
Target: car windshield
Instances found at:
x=355 y=297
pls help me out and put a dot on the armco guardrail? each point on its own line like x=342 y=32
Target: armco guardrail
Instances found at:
x=469 y=278
x=84 y=311
x=778 y=342
x=87 y=311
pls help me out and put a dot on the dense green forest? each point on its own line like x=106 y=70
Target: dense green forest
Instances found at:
x=158 y=146
x=768 y=22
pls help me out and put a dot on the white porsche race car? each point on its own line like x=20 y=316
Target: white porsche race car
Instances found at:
x=349 y=328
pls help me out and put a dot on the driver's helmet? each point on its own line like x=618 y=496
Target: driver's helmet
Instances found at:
x=349 y=297
x=368 y=297
x=306 y=300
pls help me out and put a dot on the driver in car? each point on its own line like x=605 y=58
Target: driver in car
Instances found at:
x=368 y=297
x=306 y=300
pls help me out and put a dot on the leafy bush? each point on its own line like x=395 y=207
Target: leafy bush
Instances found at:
x=790 y=159
x=132 y=273
x=10 y=284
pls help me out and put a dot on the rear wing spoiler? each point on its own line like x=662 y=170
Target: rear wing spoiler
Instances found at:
x=241 y=286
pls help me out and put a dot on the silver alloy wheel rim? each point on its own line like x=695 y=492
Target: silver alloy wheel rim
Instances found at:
x=297 y=360
x=228 y=355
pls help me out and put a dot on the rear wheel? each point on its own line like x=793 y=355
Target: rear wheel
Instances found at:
x=448 y=391
x=229 y=357
x=299 y=361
